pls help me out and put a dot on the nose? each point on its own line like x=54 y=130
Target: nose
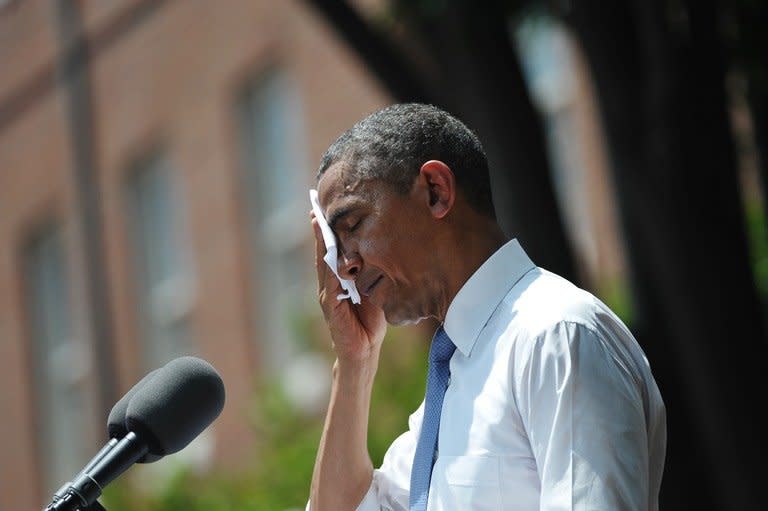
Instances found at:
x=349 y=265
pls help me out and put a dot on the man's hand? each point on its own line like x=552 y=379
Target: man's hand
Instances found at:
x=343 y=469
x=356 y=330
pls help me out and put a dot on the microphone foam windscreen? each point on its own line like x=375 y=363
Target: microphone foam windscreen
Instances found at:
x=176 y=404
x=116 y=427
x=116 y=420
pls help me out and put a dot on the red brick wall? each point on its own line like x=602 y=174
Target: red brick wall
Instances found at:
x=171 y=81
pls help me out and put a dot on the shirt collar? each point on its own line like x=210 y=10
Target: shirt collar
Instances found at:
x=475 y=302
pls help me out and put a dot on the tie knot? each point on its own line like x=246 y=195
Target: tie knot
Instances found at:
x=442 y=347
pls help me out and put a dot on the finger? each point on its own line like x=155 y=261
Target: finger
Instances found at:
x=319 y=251
x=326 y=280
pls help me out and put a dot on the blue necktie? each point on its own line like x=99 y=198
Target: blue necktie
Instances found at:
x=437 y=381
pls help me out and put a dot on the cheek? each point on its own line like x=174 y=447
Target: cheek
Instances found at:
x=374 y=249
x=378 y=250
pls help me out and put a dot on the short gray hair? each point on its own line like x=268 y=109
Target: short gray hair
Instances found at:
x=393 y=143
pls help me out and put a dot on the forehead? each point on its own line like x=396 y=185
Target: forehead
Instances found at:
x=340 y=185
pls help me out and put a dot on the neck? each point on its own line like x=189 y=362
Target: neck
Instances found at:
x=473 y=242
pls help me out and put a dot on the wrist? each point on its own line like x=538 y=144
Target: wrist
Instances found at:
x=357 y=369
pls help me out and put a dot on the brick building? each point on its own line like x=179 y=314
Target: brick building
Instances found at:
x=153 y=194
x=155 y=157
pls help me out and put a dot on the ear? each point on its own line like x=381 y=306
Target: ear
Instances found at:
x=441 y=185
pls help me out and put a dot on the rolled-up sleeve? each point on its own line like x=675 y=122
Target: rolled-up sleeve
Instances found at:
x=582 y=408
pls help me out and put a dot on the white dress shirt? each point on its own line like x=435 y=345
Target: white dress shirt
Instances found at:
x=551 y=404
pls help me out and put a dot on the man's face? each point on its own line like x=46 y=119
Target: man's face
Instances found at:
x=384 y=242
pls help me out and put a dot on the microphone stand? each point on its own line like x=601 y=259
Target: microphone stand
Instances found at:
x=96 y=506
x=69 y=501
x=87 y=486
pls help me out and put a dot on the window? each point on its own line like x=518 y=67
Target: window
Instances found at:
x=64 y=405
x=165 y=291
x=276 y=185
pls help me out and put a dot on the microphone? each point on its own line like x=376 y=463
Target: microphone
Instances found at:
x=177 y=405
x=116 y=419
x=116 y=430
x=166 y=411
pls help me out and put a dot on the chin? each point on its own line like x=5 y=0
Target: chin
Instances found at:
x=403 y=322
x=402 y=318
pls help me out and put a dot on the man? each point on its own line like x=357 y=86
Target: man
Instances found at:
x=538 y=397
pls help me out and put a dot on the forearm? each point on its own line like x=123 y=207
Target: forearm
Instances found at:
x=343 y=468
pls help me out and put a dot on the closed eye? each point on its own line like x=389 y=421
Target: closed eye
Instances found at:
x=354 y=227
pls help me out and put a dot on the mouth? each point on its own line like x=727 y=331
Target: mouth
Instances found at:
x=367 y=291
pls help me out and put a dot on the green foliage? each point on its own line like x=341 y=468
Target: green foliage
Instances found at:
x=757 y=231
x=399 y=388
x=286 y=443
x=617 y=296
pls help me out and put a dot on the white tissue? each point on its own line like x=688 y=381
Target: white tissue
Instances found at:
x=331 y=254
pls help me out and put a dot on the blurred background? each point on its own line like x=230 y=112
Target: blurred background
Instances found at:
x=155 y=158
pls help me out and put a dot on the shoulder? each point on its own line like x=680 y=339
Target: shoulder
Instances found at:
x=549 y=323
x=546 y=314
x=542 y=302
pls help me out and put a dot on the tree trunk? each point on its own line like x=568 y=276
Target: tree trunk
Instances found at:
x=482 y=73
x=660 y=89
